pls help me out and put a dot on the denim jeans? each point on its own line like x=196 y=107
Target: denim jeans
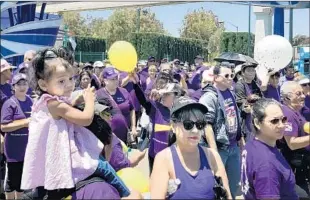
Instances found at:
x=231 y=160
x=106 y=171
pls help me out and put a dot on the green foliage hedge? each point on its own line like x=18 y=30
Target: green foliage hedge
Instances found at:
x=160 y=46
x=88 y=44
x=237 y=42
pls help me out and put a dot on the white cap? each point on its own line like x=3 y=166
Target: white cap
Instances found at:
x=304 y=81
x=98 y=64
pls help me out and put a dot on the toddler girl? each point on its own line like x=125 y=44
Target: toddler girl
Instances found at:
x=60 y=151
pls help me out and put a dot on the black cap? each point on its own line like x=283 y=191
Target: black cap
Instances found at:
x=151 y=58
x=87 y=65
x=185 y=101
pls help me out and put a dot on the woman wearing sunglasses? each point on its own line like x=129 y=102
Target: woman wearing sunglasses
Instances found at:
x=266 y=175
x=270 y=86
x=186 y=170
x=296 y=143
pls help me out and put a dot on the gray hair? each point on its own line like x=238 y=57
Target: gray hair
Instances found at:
x=287 y=88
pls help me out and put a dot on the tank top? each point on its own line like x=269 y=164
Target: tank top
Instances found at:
x=199 y=186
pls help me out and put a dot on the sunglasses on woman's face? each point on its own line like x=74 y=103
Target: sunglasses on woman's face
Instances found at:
x=276 y=121
x=189 y=125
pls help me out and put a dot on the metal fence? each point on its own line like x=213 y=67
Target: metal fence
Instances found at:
x=81 y=56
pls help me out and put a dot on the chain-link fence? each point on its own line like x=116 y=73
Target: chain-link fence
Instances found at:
x=81 y=56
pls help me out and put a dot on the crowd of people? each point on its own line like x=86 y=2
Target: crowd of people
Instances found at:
x=209 y=131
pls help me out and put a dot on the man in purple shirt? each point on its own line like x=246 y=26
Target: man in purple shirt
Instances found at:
x=296 y=144
x=288 y=74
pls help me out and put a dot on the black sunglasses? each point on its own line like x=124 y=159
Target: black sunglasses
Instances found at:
x=277 y=120
x=189 y=124
x=229 y=75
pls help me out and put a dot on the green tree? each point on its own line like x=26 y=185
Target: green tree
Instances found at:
x=76 y=23
x=214 y=44
x=124 y=21
x=200 y=24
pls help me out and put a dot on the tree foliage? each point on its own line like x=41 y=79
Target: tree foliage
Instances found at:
x=125 y=21
x=118 y=26
x=76 y=23
x=237 y=42
x=300 y=40
x=200 y=24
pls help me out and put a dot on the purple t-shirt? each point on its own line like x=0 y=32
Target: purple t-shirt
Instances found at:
x=118 y=159
x=96 y=190
x=195 y=94
x=272 y=93
x=118 y=121
x=160 y=118
x=5 y=91
x=295 y=124
x=266 y=175
x=129 y=88
x=231 y=115
x=123 y=99
x=307 y=101
x=15 y=142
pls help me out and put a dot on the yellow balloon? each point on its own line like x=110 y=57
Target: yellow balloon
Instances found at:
x=123 y=56
x=307 y=127
x=134 y=179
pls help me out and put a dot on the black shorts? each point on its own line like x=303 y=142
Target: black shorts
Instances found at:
x=13 y=176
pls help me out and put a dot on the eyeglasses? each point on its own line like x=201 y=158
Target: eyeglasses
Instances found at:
x=276 y=121
x=228 y=76
x=189 y=125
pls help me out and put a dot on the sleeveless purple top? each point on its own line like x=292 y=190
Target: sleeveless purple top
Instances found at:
x=199 y=186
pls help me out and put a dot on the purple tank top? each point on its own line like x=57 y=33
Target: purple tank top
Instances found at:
x=199 y=186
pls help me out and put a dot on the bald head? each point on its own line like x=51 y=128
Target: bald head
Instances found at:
x=29 y=55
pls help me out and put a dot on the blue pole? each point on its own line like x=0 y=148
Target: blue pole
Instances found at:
x=278 y=22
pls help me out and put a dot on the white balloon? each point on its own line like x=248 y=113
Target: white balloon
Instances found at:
x=272 y=52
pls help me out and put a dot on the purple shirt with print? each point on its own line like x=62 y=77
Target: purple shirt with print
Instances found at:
x=295 y=124
x=118 y=121
x=231 y=116
x=118 y=159
x=15 y=142
x=266 y=175
x=272 y=93
x=123 y=99
x=129 y=88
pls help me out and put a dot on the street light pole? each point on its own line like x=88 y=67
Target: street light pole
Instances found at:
x=249 y=30
x=222 y=22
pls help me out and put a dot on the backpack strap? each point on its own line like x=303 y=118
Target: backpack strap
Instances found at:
x=90 y=180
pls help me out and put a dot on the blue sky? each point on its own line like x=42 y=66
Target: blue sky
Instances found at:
x=172 y=15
